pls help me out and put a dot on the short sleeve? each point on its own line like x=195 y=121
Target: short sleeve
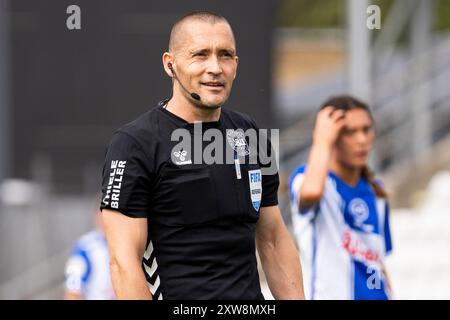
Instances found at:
x=295 y=184
x=267 y=160
x=270 y=183
x=127 y=177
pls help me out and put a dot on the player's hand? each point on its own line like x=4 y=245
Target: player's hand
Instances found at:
x=329 y=123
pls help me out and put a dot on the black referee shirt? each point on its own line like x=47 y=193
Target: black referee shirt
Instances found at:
x=201 y=217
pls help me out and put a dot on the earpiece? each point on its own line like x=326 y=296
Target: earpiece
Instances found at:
x=192 y=94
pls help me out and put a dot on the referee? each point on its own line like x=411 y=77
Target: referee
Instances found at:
x=179 y=228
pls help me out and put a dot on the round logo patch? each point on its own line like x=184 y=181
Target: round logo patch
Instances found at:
x=236 y=139
x=359 y=210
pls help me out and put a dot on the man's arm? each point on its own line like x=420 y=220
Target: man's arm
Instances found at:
x=279 y=257
x=126 y=238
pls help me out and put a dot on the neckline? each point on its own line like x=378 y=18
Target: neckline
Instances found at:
x=343 y=182
x=184 y=123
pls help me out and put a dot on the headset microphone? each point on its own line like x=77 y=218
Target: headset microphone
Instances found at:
x=192 y=94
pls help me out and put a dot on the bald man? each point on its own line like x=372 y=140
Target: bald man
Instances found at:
x=179 y=227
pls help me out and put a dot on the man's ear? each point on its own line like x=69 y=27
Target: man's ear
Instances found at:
x=167 y=59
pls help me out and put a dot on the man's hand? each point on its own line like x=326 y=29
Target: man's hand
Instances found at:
x=126 y=238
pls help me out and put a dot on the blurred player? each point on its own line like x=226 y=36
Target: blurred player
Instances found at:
x=87 y=274
x=340 y=213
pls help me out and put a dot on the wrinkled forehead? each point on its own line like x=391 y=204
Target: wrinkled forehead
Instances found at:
x=199 y=35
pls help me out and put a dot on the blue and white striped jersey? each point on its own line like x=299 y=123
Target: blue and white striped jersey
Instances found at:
x=343 y=239
x=87 y=270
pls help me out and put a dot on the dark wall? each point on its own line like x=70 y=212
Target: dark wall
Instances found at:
x=71 y=89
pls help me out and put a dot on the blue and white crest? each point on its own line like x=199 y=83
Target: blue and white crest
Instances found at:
x=255 y=182
x=360 y=212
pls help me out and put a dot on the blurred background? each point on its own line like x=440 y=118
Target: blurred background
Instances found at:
x=64 y=92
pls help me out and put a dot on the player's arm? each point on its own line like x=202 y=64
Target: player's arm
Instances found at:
x=329 y=122
x=279 y=257
x=126 y=238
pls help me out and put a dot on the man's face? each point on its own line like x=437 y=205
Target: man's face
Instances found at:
x=356 y=139
x=206 y=61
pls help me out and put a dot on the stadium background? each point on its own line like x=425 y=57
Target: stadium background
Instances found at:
x=63 y=92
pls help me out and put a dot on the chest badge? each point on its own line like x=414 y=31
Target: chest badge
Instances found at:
x=255 y=182
x=236 y=139
x=360 y=212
